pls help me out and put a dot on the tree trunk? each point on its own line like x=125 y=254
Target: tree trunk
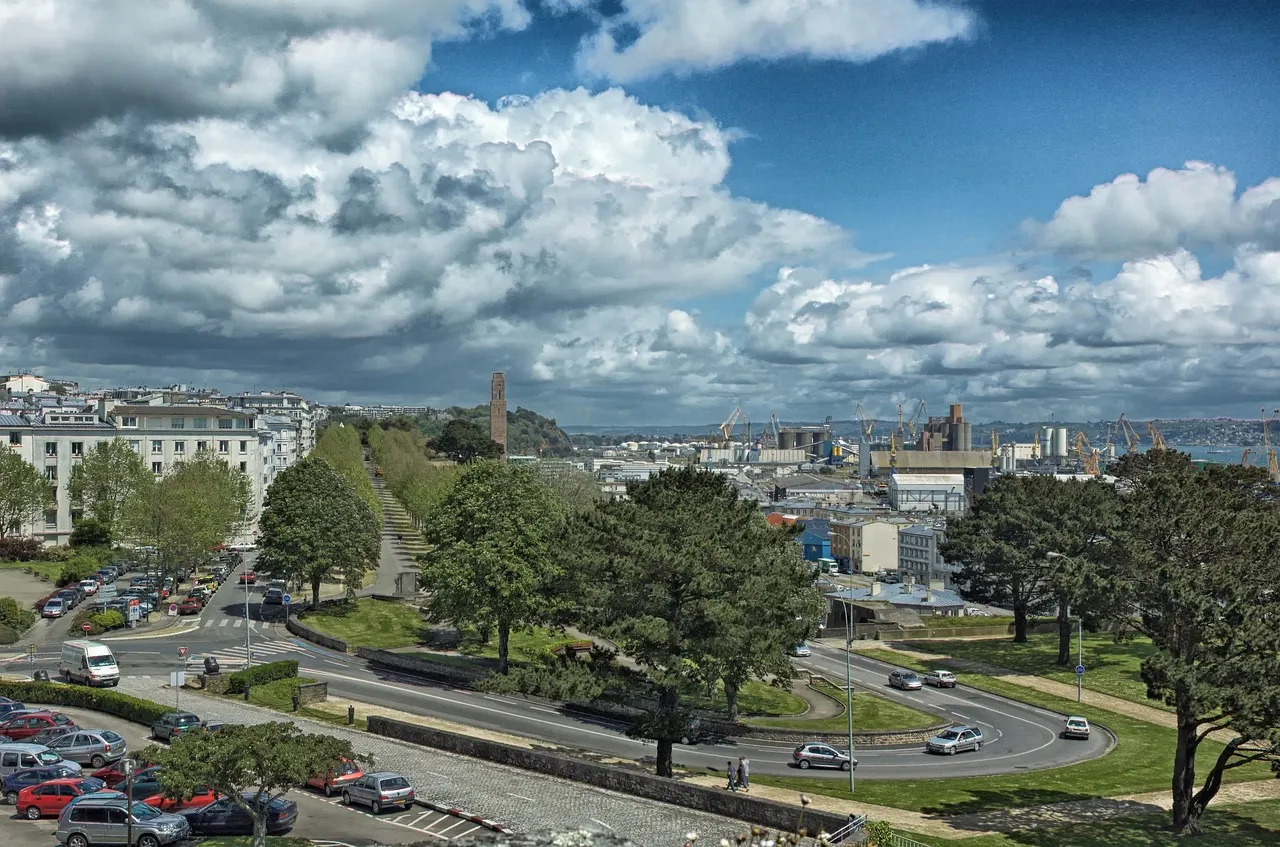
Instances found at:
x=1186 y=818
x=668 y=712
x=1019 y=622
x=1064 y=632
x=315 y=592
x=260 y=830
x=504 y=642
x=731 y=699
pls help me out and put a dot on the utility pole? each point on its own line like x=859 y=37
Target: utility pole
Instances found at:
x=848 y=686
x=248 y=647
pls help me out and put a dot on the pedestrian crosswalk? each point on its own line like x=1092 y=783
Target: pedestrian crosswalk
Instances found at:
x=263 y=652
x=228 y=623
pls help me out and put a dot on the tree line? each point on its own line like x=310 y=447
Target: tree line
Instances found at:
x=687 y=580
x=1188 y=557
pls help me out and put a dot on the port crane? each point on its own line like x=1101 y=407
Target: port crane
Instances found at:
x=735 y=418
x=1089 y=458
x=1273 y=467
x=865 y=424
x=1157 y=439
x=914 y=420
x=1130 y=435
x=774 y=431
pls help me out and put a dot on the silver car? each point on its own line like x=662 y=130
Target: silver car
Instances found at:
x=93 y=747
x=955 y=740
x=378 y=791
x=906 y=680
x=822 y=755
x=106 y=820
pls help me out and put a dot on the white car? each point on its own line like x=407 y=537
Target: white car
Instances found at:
x=942 y=679
x=89 y=586
x=801 y=651
x=1075 y=727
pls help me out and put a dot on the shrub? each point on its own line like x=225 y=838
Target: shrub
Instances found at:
x=99 y=622
x=98 y=699
x=14 y=616
x=9 y=635
x=879 y=834
x=19 y=549
x=56 y=553
x=555 y=678
x=81 y=567
x=260 y=674
x=89 y=532
x=110 y=619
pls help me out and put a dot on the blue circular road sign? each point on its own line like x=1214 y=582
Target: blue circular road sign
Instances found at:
x=289 y=600
x=1079 y=668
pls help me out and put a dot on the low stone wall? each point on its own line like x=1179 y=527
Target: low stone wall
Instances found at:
x=314 y=692
x=436 y=670
x=615 y=778
x=303 y=631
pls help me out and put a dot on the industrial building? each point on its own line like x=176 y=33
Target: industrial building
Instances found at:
x=952 y=432
x=945 y=493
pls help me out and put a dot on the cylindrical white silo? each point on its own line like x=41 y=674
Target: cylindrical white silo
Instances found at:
x=1060 y=442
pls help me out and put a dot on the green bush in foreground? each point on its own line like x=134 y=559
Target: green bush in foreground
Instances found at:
x=260 y=675
x=98 y=699
x=14 y=616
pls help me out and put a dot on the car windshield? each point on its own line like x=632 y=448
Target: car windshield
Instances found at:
x=348 y=767
x=949 y=735
x=102 y=661
x=187 y=720
x=1076 y=722
x=395 y=783
x=143 y=812
x=908 y=676
x=110 y=736
x=48 y=757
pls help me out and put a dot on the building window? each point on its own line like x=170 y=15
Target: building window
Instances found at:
x=224 y=447
x=244 y=447
x=224 y=423
x=15 y=438
x=179 y=447
x=51 y=474
x=157 y=446
x=51 y=448
x=243 y=423
x=201 y=446
x=199 y=423
x=244 y=467
x=77 y=448
x=51 y=519
x=177 y=423
x=129 y=423
x=136 y=446
x=157 y=468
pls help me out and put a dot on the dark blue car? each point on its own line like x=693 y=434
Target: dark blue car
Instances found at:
x=11 y=706
x=15 y=782
x=223 y=817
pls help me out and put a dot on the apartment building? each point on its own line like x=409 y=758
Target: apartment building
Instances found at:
x=865 y=546
x=918 y=555
x=284 y=404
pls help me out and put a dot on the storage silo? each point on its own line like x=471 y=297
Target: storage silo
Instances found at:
x=787 y=439
x=1046 y=442
x=966 y=436
x=1059 y=442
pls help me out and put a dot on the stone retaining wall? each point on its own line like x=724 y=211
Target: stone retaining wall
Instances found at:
x=615 y=778
x=315 y=692
x=305 y=632
x=436 y=670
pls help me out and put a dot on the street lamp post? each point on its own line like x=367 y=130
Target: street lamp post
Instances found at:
x=1079 y=641
x=848 y=685
x=248 y=647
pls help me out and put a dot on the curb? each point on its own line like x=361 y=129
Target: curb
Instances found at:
x=459 y=813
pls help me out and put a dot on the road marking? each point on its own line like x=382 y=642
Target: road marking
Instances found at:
x=419 y=818
x=544 y=709
x=460 y=822
x=521 y=797
x=602 y=823
x=468 y=832
x=236 y=625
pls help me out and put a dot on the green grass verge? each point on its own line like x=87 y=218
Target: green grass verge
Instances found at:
x=371 y=623
x=871 y=713
x=278 y=696
x=756 y=698
x=1111 y=668
x=50 y=571
x=1241 y=825
x=523 y=646
x=1141 y=761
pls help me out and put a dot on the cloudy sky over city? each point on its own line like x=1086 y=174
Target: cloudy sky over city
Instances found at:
x=650 y=211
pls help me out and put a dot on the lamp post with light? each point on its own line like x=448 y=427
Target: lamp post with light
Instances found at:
x=1079 y=639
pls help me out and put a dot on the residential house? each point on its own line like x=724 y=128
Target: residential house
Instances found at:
x=862 y=605
x=865 y=545
x=918 y=554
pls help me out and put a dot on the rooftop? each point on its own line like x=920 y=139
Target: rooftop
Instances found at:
x=192 y=410
x=921 y=596
x=927 y=479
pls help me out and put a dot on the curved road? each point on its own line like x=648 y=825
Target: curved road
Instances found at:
x=1018 y=737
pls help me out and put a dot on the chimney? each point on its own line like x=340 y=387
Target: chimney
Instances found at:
x=876 y=588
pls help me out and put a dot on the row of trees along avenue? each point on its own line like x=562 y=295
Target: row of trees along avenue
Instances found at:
x=197 y=504
x=1188 y=557
x=686 y=579
x=321 y=519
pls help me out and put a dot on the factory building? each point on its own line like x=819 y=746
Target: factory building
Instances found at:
x=952 y=432
x=928 y=493
x=884 y=462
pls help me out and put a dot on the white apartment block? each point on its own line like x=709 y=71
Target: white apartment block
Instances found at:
x=918 y=554
x=865 y=545
x=286 y=404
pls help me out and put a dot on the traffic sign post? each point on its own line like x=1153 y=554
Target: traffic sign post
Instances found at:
x=31 y=655
x=85 y=627
x=1079 y=683
x=288 y=601
x=182 y=652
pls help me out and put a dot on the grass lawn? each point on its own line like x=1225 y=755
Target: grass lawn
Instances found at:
x=278 y=696
x=871 y=713
x=371 y=623
x=1243 y=825
x=524 y=646
x=49 y=570
x=1141 y=761
x=755 y=698
x=1110 y=667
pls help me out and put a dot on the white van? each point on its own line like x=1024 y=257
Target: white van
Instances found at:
x=16 y=757
x=89 y=662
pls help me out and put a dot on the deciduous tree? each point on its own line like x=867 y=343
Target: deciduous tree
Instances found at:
x=316 y=526
x=494 y=560
x=250 y=765
x=106 y=479
x=462 y=441
x=24 y=493
x=1199 y=556
x=340 y=445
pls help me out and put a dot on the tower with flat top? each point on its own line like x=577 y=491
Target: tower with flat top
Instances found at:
x=498 y=410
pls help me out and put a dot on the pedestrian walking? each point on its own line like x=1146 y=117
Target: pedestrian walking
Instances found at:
x=744 y=773
x=733 y=776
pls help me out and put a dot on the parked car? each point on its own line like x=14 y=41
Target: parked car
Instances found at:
x=105 y=820
x=906 y=680
x=818 y=754
x=70 y=597
x=223 y=817
x=190 y=606
x=273 y=597
x=172 y=724
x=942 y=679
x=49 y=798
x=89 y=586
x=248 y=577
x=49 y=733
x=22 y=726
x=955 y=740
x=113 y=774
x=54 y=607
x=19 y=757
x=146 y=783
x=93 y=747
x=198 y=800
x=13 y=784
x=8 y=707
x=337 y=779
x=378 y=791
x=1075 y=727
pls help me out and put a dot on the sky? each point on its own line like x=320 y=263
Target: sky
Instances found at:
x=650 y=211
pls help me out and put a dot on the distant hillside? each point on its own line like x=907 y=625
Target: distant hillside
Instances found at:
x=527 y=431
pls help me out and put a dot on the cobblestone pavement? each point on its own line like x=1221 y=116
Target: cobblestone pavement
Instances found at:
x=523 y=800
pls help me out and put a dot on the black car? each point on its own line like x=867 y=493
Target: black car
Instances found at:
x=273 y=597
x=12 y=706
x=70 y=596
x=146 y=783
x=15 y=782
x=223 y=817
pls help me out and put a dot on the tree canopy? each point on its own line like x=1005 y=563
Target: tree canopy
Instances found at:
x=107 y=479
x=464 y=441
x=494 y=563
x=417 y=482
x=263 y=761
x=341 y=446
x=24 y=493
x=315 y=526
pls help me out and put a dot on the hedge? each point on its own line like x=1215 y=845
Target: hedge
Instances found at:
x=9 y=635
x=260 y=675
x=98 y=699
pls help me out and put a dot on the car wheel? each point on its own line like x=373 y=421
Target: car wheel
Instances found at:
x=328 y=790
x=97 y=762
x=375 y=807
x=977 y=745
x=804 y=764
x=77 y=840
x=346 y=798
x=951 y=751
x=844 y=766
x=11 y=798
x=33 y=813
x=686 y=740
x=148 y=841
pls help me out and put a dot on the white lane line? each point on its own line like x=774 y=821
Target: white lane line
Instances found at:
x=331 y=662
x=521 y=797
x=419 y=818
x=466 y=833
x=442 y=832
x=602 y=823
x=237 y=623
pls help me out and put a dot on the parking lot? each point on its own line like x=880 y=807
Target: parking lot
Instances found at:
x=319 y=818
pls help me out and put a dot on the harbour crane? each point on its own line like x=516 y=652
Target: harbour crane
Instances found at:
x=775 y=430
x=1157 y=439
x=726 y=428
x=1035 y=445
x=914 y=420
x=1244 y=459
x=1273 y=467
x=1130 y=435
x=1089 y=458
x=865 y=423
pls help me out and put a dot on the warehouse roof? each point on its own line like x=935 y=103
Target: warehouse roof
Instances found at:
x=902 y=479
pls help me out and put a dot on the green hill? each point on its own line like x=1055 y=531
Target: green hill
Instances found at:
x=527 y=431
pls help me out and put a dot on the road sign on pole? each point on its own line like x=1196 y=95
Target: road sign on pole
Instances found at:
x=182 y=652
x=85 y=627
x=1079 y=670
x=31 y=650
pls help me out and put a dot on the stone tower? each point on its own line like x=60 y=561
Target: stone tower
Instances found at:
x=498 y=410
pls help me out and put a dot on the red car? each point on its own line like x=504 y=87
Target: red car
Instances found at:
x=248 y=576
x=49 y=798
x=203 y=797
x=113 y=774
x=345 y=774
x=22 y=726
x=190 y=606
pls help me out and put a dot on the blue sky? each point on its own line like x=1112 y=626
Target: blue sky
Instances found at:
x=787 y=205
